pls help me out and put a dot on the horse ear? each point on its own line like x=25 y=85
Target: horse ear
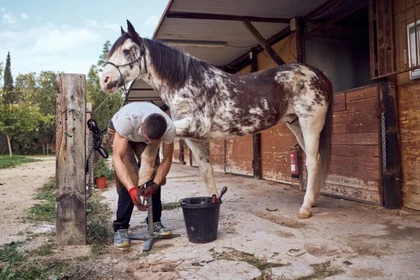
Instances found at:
x=122 y=31
x=130 y=28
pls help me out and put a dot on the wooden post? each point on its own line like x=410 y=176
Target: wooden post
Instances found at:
x=277 y=59
x=256 y=138
x=391 y=161
x=71 y=159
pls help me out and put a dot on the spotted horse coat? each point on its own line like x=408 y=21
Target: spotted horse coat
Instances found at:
x=208 y=104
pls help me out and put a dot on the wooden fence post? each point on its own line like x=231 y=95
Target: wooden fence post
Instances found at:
x=71 y=160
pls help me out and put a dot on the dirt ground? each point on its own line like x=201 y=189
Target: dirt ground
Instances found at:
x=258 y=226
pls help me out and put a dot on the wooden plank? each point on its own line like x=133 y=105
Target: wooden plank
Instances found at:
x=238 y=161
x=352 y=193
x=355 y=139
x=71 y=159
x=363 y=105
x=356 y=122
x=339 y=102
x=356 y=151
x=362 y=93
x=217 y=155
x=345 y=181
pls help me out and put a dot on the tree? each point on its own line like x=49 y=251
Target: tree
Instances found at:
x=102 y=57
x=16 y=119
x=1 y=72
x=47 y=90
x=8 y=93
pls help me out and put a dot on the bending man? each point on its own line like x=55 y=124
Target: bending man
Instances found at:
x=140 y=128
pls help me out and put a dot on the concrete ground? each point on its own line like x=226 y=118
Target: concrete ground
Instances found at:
x=258 y=225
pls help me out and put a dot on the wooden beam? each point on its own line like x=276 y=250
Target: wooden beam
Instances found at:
x=71 y=160
x=189 y=15
x=372 y=36
x=391 y=158
x=243 y=61
x=300 y=41
x=385 y=37
x=256 y=138
x=277 y=59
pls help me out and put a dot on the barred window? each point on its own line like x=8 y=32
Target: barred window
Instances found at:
x=413 y=41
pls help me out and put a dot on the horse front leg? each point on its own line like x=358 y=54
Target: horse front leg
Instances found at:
x=202 y=155
x=147 y=167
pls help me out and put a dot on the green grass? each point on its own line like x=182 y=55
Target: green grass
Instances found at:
x=45 y=210
x=17 y=264
x=40 y=263
x=13 y=161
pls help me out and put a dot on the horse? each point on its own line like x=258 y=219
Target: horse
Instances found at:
x=209 y=104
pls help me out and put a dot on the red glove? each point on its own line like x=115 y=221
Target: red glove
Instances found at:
x=135 y=194
x=151 y=188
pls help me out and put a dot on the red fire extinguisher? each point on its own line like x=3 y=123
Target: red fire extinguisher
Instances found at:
x=294 y=162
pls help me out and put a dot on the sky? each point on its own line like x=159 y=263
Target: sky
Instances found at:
x=68 y=35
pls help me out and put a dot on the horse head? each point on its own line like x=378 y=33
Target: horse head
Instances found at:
x=125 y=62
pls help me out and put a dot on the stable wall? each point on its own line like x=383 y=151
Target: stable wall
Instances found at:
x=408 y=98
x=277 y=141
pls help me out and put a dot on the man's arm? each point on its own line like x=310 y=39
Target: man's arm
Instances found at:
x=165 y=165
x=119 y=148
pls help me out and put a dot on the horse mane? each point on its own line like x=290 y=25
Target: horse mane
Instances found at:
x=172 y=65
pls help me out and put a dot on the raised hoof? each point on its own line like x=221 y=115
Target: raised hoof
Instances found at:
x=304 y=214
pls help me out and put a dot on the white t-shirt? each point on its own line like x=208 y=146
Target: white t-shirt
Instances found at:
x=127 y=121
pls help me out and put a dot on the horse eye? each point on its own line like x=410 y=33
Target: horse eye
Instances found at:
x=126 y=51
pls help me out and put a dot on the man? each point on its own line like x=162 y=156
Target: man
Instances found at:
x=140 y=128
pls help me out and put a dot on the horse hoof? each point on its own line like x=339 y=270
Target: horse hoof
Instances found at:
x=304 y=214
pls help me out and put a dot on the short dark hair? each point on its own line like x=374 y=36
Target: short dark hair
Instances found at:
x=154 y=126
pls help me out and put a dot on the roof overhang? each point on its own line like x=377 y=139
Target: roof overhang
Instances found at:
x=214 y=31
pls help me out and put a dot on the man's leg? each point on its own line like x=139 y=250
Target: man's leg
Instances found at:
x=125 y=205
x=124 y=210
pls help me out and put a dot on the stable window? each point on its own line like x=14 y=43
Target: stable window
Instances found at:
x=413 y=41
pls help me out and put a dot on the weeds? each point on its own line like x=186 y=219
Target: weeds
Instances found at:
x=45 y=210
x=41 y=263
x=261 y=264
x=98 y=226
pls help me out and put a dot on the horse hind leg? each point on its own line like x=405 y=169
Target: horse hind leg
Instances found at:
x=202 y=155
x=294 y=126
x=311 y=130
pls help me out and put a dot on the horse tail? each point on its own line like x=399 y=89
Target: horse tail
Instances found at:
x=325 y=144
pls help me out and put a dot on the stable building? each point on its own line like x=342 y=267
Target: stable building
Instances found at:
x=370 y=51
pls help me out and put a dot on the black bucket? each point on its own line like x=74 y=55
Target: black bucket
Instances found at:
x=201 y=218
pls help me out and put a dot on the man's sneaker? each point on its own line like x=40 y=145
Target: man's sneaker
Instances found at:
x=121 y=239
x=159 y=229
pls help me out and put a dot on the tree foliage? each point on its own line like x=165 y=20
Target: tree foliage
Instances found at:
x=8 y=93
x=27 y=106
